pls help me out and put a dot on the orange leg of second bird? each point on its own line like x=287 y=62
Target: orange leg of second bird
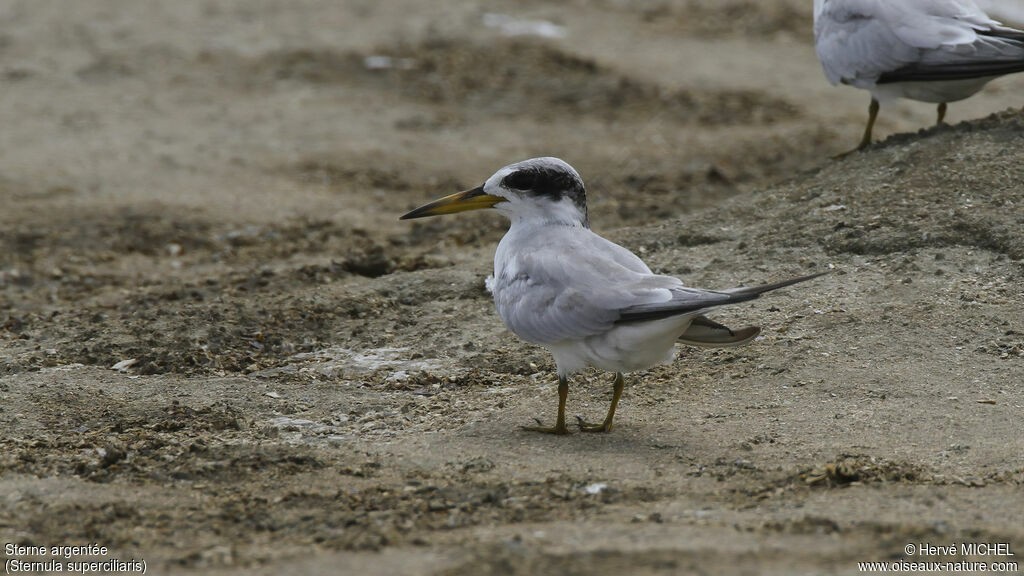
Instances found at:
x=617 y=385
x=866 y=139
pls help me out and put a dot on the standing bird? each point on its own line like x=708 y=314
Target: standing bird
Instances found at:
x=927 y=50
x=589 y=301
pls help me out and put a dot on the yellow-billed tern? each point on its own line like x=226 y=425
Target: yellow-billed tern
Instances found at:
x=587 y=300
x=935 y=51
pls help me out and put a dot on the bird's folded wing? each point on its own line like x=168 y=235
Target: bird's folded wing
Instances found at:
x=854 y=42
x=573 y=287
x=1004 y=33
x=955 y=69
x=692 y=300
x=684 y=301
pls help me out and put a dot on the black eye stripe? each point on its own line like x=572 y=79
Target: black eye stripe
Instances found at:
x=548 y=182
x=545 y=181
x=520 y=180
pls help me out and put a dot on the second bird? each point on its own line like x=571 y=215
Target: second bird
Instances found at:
x=935 y=51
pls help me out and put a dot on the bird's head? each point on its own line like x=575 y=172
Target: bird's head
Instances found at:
x=542 y=190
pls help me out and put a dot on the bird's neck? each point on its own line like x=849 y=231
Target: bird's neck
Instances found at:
x=522 y=224
x=527 y=215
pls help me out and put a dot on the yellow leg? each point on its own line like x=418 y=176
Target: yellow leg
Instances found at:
x=617 y=385
x=559 y=427
x=865 y=141
x=941 y=113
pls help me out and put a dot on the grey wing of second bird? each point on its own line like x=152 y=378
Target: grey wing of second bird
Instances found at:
x=863 y=42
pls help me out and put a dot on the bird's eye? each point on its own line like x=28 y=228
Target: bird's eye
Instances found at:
x=521 y=180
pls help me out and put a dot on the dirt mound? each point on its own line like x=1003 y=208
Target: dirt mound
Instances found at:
x=515 y=78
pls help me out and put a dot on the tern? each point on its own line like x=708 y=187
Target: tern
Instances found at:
x=934 y=51
x=589 y=301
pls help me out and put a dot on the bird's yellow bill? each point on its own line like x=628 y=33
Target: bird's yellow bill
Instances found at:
x=474 y=199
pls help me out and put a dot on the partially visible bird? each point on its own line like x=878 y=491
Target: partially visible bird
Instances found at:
x=589 y=301
x=935 y=51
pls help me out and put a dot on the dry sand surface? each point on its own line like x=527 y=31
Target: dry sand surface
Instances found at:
x=206 y=193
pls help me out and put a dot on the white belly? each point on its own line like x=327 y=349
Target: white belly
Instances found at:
x=624 y=348
x=935 y=92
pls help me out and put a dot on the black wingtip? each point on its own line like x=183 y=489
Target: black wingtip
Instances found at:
x=952 y=71
x=713 y=299
x=756 y=290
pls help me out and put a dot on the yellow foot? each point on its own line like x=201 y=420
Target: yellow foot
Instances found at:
x=586 y=427
x=842 y=155
x=559 y=428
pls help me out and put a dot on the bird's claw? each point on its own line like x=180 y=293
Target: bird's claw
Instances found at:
x=558 y=428
x=587 y=427
x=843 y=155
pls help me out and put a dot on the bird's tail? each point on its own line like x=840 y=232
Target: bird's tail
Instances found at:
x=707 y=333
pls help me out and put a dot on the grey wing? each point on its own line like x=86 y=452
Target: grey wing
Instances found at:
x=575 y=287
x=615 y=253
x=694 y=300
x=856 y=43
x=994 y=52
x=684 y=301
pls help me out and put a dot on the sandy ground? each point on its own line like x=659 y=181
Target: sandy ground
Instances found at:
x=205 y=194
